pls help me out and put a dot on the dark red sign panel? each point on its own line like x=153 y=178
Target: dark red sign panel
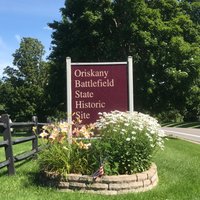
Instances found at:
x=98 y=88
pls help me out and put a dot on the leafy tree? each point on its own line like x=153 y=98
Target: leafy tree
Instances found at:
x=1 y=103
x=23 y=87
x=193 y=9
x=179 y=64
x=162 y=36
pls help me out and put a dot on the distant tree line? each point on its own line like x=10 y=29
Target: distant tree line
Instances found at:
x=23 y=88
x=163 y=36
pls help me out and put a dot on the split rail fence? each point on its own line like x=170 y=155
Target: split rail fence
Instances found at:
x=8 y=142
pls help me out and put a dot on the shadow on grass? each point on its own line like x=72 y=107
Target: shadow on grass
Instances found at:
x=189 y=125
x=18 y=165
x=21 y=163
x=38 y=179
x=4 y=172
x=171 y=137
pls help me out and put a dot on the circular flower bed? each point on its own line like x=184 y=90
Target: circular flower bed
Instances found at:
x=119 y=143
x=108 y=185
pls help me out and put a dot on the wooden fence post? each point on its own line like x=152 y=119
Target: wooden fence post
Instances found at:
x=35 y=132
x=8 y=148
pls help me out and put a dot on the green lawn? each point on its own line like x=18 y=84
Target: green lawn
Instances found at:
x=178 y=170
x=183 y=125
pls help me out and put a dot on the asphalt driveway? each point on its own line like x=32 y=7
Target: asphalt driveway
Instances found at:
x=191 y=134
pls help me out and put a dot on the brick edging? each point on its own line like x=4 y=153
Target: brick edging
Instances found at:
x=108 y=185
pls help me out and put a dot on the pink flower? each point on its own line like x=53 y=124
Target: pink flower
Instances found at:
x=53 y=136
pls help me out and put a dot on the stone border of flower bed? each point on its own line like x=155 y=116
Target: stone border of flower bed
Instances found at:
x=108 y=185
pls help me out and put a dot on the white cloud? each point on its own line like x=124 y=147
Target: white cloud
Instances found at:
x=18 y=38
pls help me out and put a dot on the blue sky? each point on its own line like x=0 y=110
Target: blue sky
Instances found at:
x=25 y=18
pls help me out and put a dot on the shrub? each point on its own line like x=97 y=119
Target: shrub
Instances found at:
x=128 y=141
x=173 y=116
x=126 y=144
x=55 y=158
x=59 y=155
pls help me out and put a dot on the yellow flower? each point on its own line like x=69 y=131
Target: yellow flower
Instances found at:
x=80 y=144
x=86 y=146
x=34 y=129
x=64 y=126
x=44 y=134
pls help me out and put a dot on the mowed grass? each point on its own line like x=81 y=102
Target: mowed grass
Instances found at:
x=178 y=170
x=183 y=124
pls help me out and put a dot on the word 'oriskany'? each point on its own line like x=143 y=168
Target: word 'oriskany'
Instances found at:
x=91 y=73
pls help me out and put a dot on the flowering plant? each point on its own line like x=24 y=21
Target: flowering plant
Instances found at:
x=56 y=132
x=126 y=145
x=63 y=156
x=128 y=140
x=81 y=131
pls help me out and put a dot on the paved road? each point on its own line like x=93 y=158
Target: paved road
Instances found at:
x=184 y=133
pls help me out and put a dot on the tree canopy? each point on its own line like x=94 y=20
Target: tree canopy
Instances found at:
x=23 y=86
x=162 y=36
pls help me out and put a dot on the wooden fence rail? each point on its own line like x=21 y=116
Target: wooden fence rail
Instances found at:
x=8 y=142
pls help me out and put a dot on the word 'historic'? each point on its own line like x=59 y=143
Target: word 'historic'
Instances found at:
x=83 y=104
